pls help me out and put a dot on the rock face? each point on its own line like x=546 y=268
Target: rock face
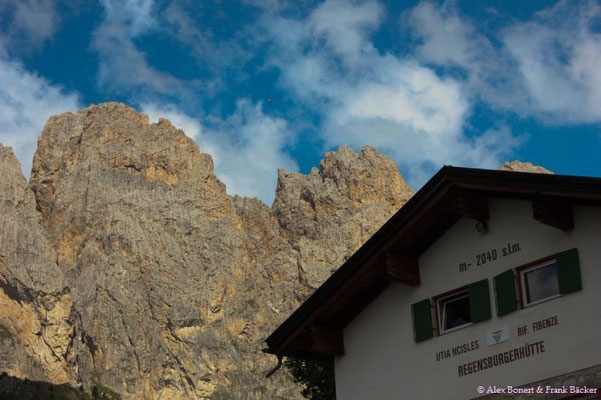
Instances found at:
x=125 y=265
x=519 y=166
x=328 y=214
x=35 y=303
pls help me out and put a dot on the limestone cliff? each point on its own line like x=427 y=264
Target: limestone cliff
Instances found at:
x=35 y=304
x=519 y=166
x=326 y=215
x=125 y=265
x=126 y=268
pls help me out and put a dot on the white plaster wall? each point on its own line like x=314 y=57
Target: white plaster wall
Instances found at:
x=382 y=361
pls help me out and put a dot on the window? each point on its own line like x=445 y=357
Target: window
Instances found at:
x=545 y=279
x=539 y=283
x=454 y=311
x=462 y=307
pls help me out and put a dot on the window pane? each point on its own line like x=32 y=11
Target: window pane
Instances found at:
x=456 y=311
x=541 y=283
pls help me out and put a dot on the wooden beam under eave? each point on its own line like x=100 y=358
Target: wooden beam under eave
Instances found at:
x=326 y=341
x=469 y=203
x=401 y=268
x=553 y=211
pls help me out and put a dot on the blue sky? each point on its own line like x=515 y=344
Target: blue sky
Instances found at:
x=470 y=83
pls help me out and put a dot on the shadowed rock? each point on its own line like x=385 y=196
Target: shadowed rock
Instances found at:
x=35 y=305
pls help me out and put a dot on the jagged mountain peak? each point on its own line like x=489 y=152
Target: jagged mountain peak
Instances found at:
x=125 y=264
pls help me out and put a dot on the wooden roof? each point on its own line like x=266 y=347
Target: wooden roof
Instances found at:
x=391 y=254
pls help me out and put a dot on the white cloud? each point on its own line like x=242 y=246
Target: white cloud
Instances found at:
x=417 y=118
x=548 y=67
x=30 y=23
x=446 y=38
x=136 y=15
x=210 y=53
x=247 y=148
x=344 y=28
x=558 y=57
x=123 y=67
x=449 y=40
x=396 y=103
x=409 y=94
x=27 y=102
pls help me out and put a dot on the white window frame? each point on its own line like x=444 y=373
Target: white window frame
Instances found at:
x=524 y=293
x=440 y=305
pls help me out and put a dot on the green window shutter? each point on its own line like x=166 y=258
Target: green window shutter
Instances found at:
x=479 y=301
x=568 y=271
x=506 y=297
x=422 y=320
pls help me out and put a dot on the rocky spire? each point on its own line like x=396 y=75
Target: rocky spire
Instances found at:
x=125 y=265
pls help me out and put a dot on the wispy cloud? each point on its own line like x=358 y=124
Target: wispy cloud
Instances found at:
x=27 y=24
x=396 y=103
x=416 y=104
x=447 y=39
x=330 y=65
x=344 y=28
x=137 y=16
x=558 y=57
x=123 y=68
x=210 y=51
x=548 y=67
